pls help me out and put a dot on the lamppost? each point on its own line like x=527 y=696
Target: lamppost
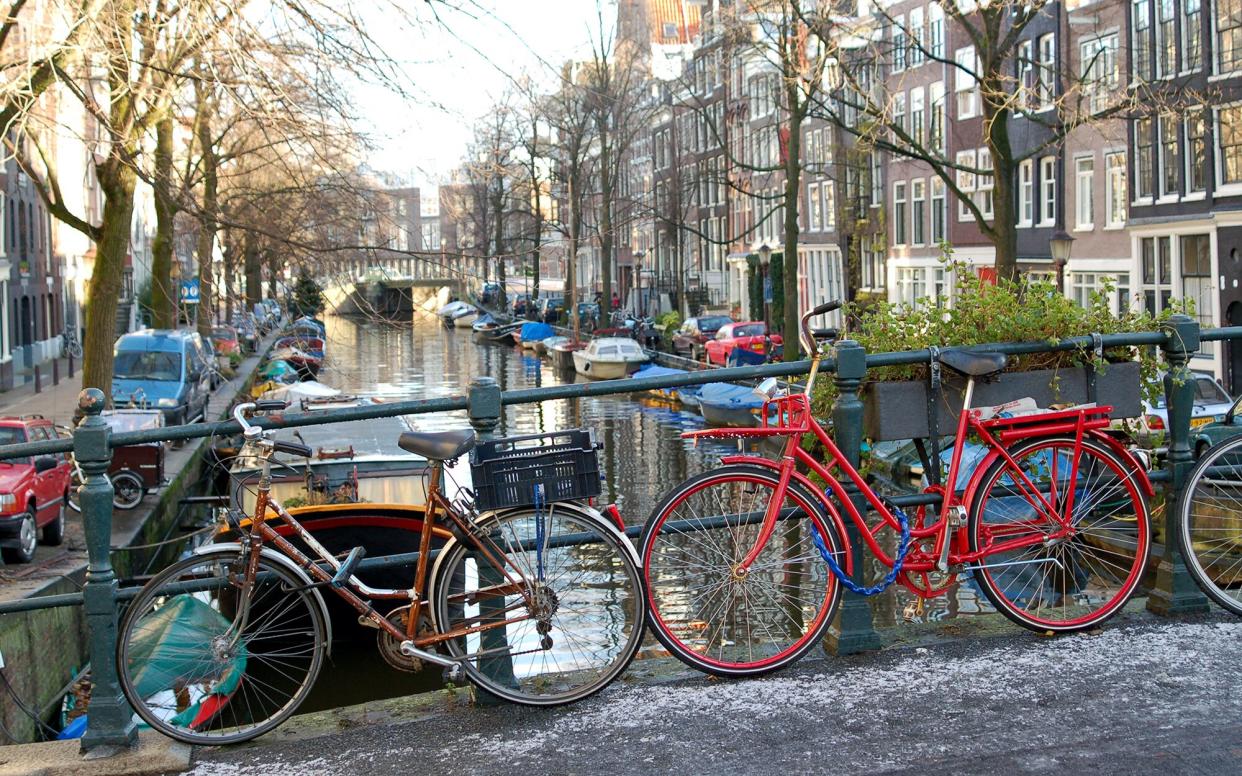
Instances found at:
x=765 y=259
x=1060 y=243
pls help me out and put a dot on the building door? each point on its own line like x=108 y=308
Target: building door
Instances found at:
x=1233 y=315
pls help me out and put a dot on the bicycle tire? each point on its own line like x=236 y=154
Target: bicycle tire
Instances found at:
x=1210 y=525
x=1076 y=582
x=591 y=607
x=746 y=641
x=170 y=643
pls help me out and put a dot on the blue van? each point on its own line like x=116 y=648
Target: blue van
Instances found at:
x=163 y=369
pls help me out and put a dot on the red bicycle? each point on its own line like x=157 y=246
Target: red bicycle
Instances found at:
x=1047 y=512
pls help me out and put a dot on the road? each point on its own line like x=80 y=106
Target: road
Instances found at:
x=1141 y=696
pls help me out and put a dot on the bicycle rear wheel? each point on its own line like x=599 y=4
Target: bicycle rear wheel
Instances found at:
x=574 y=625
x=715 y=619
x=193 y=671
x=1210 y=524
x=1076 y=581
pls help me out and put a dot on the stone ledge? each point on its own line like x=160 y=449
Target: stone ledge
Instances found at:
x=154 y=754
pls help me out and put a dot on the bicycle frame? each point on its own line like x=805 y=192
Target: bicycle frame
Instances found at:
x=356 y=593
x=950 y=552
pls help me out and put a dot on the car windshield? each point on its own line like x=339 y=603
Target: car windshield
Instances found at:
x=147 y=365
x=1208 y=392
x=222 y=333
x=708 y=325
x=749 y=330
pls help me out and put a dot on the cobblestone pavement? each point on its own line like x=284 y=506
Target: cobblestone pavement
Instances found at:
x=1143 y=695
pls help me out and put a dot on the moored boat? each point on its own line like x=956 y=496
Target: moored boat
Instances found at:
x=306 y=364
x=544 y=346
x=312 y=346
x=531 y=334
x=655 y=370
x=609 y=358
x=726 y=404
x=562 y=353
x=464 y=319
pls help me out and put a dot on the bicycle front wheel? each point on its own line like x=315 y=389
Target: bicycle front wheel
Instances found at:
x=197 y=670
x=1210 y=524
x=568 y=625
x=1071 y=579
x=716 y=618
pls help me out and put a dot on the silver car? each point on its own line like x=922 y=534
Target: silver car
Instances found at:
x=1211 y=404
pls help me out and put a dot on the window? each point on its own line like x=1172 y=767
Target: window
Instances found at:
x=1229 y=35
x=1192 y=35
x=983 y=197
x=873 y=268
x=1230 y=134
x=918 y=117
x=939 y=211
x=1196 y=154
x=936 y=138
x=917 y=38
x=1101 y=74
x=1166 y=39
x=1115 y=189
x=965 y=85
x=829 y=192
x=1170 y=164
x=1047 y=70
x=1026 y=193
x=877 y=179
x=814 y=213
x=1048 y=187
x=3 y=236
x=899 y=118
x=1157 y=267
x=918 y=211
x=899 y=213
x=1144 y=159
x=965 y=183
x=1196 y=259
x=1026 y=74
x=670 y=30
x=1140 y=49
x=935 y=30
x=1083 y=285
x=899 y=43
x=1084 y=193
x=911 y=285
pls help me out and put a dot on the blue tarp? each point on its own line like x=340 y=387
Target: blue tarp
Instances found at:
x=654 y=370
x=533 y=332
x=730 y=396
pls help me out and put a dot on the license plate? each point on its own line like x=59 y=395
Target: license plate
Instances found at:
x=757 y=347
x=1203 y=421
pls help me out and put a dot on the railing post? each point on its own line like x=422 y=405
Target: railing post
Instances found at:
x=1175 y=592
x=484 y=408
x=853 y=630
x=111 y=724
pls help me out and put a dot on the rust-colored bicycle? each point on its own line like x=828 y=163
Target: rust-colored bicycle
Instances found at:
x=1048 y=513
x=538 y=605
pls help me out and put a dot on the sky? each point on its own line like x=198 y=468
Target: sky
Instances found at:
x=460 y=67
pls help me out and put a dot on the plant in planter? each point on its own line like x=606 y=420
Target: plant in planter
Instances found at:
x=986 y=313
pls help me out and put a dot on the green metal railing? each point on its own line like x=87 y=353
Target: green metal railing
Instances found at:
x=111 y=721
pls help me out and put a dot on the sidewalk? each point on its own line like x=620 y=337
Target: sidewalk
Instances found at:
x=56 y=402
x=1142 y=695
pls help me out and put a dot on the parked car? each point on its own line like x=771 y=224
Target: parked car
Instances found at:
x=1208 y=434
x=33 y=493
x=1211 y=405
x=225 y=342
x=263 y=318
x=551 y=308
x=247 y=331
x=520 y=304
x=588 y=316
x=690 y=339
x=748 y=335
x=277 y=313
x=165 y=369
x=489 y=293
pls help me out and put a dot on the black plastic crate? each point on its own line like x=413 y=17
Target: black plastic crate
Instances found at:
x=506 y=471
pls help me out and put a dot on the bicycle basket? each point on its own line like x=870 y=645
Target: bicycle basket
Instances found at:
x=506 y=471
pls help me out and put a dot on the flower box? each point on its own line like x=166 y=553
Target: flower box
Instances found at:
x=898 y=410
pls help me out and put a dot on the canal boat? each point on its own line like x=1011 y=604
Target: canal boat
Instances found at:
x=544 y=347
x=312 y=346
x=655 y=370
x=306 y=364
x=609 y=358
x=448 y=311
x=307 y=326
x=501 y=335
x=726 y=404
x=464 y=319
x=562 y=353
x=531 y=334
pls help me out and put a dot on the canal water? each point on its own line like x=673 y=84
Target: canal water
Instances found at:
x=642 y=456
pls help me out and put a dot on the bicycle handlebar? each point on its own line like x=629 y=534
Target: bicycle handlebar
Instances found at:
x=293 y=448
x=805 y=335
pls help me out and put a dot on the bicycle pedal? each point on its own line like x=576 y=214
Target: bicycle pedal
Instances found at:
x=454 y=674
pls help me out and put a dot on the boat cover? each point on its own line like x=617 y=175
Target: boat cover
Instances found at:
x=534 y=331
x=654 y=370
x=295 y=392
x=730 y=396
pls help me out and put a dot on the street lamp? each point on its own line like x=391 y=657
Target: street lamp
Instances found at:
x=765 y=259
x=1060 y=243
x=639 y=307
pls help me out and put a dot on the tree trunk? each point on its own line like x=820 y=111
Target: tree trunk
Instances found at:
x=273 y=275
x=207 y=225
x=571 y=261
x=789 y=335
x=230 y=261
x=498 y=209
x=116 y=179
x=164 y=293
x=605 y=223
x=1004 y=221
x=253 y=267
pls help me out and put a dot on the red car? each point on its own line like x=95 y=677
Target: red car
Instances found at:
x=33 y=494
x=747 y=336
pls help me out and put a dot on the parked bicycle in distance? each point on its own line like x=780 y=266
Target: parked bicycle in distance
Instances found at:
x=537 y=604
x=744 y=565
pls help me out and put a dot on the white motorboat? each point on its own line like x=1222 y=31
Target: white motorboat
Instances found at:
x=464 y=319
x=609 y=358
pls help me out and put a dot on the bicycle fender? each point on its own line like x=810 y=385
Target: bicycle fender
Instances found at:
x=289 y=565
x=812 y=488
x=1123 y=452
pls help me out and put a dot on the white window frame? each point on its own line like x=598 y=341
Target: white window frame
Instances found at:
x=965 y=85
x=1047 y=191
x=1084 y=193
x=916 y=37
x=918 y=117
x=985 y=183
x=966 y=182
x=918 y=221
x=1026 y=193
x=1224 y=186
x=939 y=205
x=935 y=30
x=1047 y=70
x=815 y=217
x=900 y=46
x=1114 y=200
x=828 y=191
x=936 y=117
x=901 y=224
